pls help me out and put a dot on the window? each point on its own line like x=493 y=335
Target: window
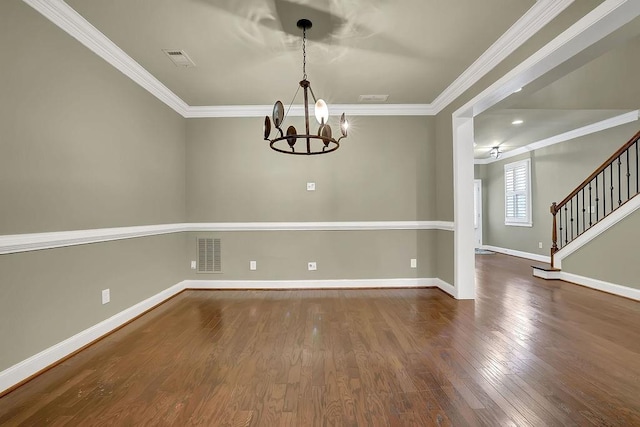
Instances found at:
x=517 y=193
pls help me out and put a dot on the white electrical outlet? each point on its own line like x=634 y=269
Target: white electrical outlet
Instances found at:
x=106 y=296
x=253 y=265
x=312 y=266
x=193 y=265
x=311 y=186
x=414 y=263
x=540 y=245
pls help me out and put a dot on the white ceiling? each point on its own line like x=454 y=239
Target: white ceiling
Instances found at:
x=249 y=52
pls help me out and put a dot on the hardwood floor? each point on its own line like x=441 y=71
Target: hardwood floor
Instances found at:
x=527 y=352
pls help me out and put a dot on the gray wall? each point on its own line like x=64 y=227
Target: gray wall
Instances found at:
x=283 y=255
x=612 y=256
x=384 y=171
x=81 y=146
x=555 y=172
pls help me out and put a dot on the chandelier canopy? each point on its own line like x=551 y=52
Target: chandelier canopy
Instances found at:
x=321 y=143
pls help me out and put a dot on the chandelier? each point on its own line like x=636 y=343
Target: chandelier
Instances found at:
x=321 y=143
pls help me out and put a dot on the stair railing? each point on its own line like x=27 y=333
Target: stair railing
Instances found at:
x=610 y=186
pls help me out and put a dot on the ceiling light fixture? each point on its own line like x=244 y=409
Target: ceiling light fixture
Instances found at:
x=517 y=122
x=495 y=152
x=324 y=142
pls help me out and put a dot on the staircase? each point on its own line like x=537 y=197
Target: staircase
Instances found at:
x=607 y=189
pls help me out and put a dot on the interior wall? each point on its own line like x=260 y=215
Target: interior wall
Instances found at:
x=339 y=255
x=555 y=171
x=81 y=147
x=383 y=172
x=610 y=257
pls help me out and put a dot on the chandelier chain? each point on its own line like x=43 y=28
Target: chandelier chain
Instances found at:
x=304 y=54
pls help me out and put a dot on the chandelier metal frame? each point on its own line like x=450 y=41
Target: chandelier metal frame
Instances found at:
x=329 y=143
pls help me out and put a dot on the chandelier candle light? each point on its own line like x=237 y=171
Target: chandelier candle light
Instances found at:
x=328 y=143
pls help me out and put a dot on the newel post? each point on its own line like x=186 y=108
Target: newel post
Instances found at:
x=554 y=232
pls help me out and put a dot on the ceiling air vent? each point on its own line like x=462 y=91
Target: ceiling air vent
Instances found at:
x=179 y=58
x=209 y=255
x=373 y=98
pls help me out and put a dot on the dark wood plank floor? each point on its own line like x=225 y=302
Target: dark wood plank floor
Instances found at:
x=526 y=352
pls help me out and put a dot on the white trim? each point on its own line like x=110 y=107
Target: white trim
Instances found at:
x=463 y=240
x=36 y=241
x=539 y=15
x=520 y=254
x=312 y=284
x=36 y=363
x=566 y=136
x=600 y=227
x=593 y=27
x=65 y=17
x=446 y=287
x=14 y=243
x=321 y=226
x=612 y=288
x=298 y=110
x=546 y=275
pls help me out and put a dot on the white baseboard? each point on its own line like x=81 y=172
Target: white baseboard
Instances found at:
x=601 y=285
x=446 y=287
x=315 y=284
x=520 y=254
x=36 y=363
x=546 y=275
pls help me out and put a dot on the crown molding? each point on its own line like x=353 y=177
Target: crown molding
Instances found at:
x=566 y=136
x=539 y=15
x=298 y=110
x=16 y=243
x=65 y=17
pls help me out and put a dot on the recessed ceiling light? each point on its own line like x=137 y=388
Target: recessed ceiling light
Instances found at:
x=517 y=90
x=517 y=122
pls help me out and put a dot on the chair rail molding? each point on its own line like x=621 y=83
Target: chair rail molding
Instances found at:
x=15 y=243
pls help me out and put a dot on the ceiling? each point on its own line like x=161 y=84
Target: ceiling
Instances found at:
x=598 y=84
x=249 y=52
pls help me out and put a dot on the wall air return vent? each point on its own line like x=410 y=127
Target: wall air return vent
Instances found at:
x=209 y=255
x=179 y=58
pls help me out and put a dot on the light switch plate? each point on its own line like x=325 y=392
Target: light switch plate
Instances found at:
x=311 y=186
x=414 y=263
x=106 y=296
